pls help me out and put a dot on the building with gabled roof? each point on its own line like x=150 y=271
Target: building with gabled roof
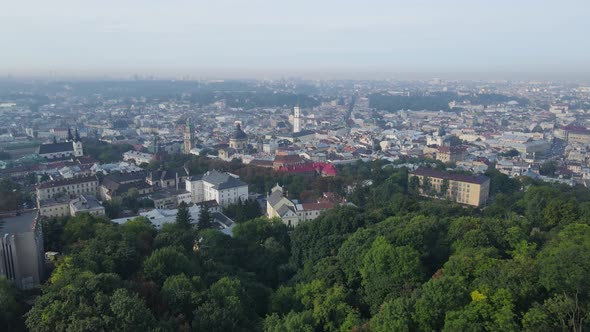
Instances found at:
x=292 y=212
x=224 y=188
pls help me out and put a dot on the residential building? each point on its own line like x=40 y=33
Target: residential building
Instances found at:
x=69 y=188
x=166 y=179
x=170 y=198
x=465 y=189
x=450 y=154
x=120 y=184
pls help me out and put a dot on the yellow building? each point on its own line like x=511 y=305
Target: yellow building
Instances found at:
x=69 y=188
x=465 y=189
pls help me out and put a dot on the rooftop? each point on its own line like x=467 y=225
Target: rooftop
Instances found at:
x=64 y=182
x=429 y=172
x=22 y=223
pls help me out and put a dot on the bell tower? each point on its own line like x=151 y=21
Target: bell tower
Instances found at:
x=189 y=136
x=77 y=145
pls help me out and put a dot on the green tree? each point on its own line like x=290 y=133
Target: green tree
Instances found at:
x=436 y=298
x=9 y=307
x=292 y=322
x=389 y=272
x=180 y=293
x=227 y=307
x=495 y=313
x=394 y=315
x=166 y=262
x=183 y=217
x=205 y=218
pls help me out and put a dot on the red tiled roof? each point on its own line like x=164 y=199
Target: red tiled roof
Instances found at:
x=317 y=206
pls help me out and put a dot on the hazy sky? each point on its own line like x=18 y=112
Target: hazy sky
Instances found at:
x=249 y=37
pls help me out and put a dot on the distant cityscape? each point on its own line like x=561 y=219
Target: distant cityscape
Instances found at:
x=226 y=151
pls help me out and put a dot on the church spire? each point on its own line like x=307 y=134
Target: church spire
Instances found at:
x=70 y=137
x=77 y=136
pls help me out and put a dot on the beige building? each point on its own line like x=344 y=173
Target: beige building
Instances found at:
x=54 y=208
x=464 y=189
x=292 y=212
x=70 y=188
x=450 y=154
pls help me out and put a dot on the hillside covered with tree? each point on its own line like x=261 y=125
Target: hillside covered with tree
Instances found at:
x=393 y=262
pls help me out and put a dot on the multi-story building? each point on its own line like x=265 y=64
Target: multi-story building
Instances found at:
x=21 y=249
x=70 y=188
x=120 y=184
x=224 y=188
x=293 y=212
x=465 y=189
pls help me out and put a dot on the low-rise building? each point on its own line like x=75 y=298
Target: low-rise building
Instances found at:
x=292 y=212
x=138 y=157
x=86 y=204
x=170 y=198
x=461 y=188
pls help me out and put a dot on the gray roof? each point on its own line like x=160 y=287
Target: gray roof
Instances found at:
x=222 y=180
x=284 y=209
x=87 y=202
x=22 y=223
x=274 y=198
x=56 y=147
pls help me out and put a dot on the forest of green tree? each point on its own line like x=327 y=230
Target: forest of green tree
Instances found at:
x=435 y=101
x=393 y=262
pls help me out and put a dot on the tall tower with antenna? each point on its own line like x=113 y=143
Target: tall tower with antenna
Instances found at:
x=296 y=119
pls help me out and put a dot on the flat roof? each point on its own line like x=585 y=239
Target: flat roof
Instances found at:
x=22 y=223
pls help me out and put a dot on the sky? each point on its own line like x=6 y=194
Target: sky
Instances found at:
x=259 y=38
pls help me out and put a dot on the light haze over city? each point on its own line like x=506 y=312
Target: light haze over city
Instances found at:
x=310 y=38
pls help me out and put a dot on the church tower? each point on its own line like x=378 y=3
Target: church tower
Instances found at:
x=296 y=120
x=189 y=136
x=77 y=145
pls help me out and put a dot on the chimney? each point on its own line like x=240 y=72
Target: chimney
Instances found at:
x=176 y=173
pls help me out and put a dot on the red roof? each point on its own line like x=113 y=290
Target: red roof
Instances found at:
x=288 y=159
x=317 y=206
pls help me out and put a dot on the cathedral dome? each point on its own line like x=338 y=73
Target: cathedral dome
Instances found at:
x=239 y=134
